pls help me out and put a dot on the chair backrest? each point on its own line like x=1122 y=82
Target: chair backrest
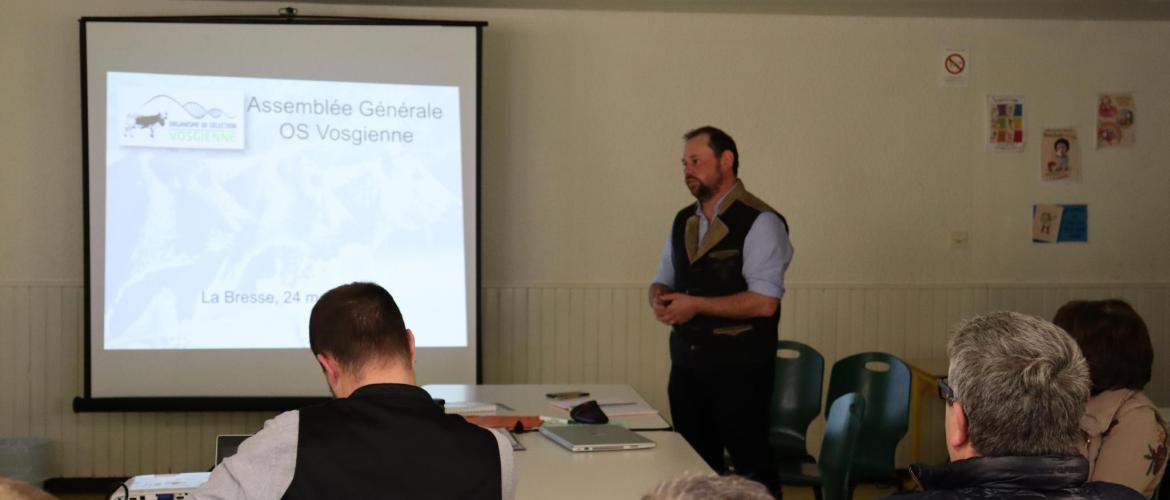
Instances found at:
x=884 y=381
x=842 y=431
x=796 y=398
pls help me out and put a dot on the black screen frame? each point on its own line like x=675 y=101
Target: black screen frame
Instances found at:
x=86 y=402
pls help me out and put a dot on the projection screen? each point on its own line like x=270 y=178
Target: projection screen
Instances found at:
x=236 y=169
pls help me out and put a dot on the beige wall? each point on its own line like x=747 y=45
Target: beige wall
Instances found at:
x=842 y=123
x=842 y=126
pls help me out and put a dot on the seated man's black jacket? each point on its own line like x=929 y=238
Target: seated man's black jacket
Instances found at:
x=1013 y=478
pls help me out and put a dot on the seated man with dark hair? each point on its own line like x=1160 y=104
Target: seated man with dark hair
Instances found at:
x=382 y=437
x=1015 y=394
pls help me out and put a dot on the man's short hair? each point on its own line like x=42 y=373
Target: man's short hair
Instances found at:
x=1060 y=141
x=719 y=142
x=358 y=322
x=709 y=487
x=1022 y=383
x=1114 y=340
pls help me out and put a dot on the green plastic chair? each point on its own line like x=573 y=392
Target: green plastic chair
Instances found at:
x=884 y=381
x=796 y=401
x=829 y=477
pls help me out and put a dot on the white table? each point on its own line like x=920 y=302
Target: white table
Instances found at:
x=546 y=470
x=530 y=400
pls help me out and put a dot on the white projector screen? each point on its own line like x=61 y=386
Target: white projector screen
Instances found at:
x=235 y=171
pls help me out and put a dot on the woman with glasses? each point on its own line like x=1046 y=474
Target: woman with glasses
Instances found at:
x=1125 y=436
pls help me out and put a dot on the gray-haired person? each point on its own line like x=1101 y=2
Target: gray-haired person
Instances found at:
x=709 y=487
x=1014 y=396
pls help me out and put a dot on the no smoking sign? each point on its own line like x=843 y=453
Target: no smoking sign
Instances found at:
x=956 y=67
x=955 y=63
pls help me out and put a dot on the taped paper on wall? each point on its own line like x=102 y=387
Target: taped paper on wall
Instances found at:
x=1005 y=131
x=1115 y=120
x=1060 y=223
x=1060 y=156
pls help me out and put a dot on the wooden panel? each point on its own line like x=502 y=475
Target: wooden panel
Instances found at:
x=535 y=339
x=547 y=335
x=574 y=328
x=38 y=311
x=589 y=340
x=20 y=383
x=605 y=330
x=9 y=350
x=489 y=313
x=503 y=338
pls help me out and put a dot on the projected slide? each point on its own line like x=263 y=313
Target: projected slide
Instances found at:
x=233 y=203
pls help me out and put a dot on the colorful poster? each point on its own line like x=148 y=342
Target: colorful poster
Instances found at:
x=1005 y=123
x=1060 y=156
x=1115 y=120
x=1060 y=223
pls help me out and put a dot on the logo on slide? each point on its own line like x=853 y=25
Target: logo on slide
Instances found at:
x=202 y=119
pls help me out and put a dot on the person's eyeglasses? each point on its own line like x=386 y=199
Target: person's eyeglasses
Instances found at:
x=945 y=392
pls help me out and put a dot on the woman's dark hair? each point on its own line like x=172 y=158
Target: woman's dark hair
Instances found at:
x=1114 y=340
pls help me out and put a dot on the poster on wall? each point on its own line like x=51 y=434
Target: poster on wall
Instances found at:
x=1115 y=120
x=956 y=67
x=1060 y=223
x=1005 y=131
x=1060 y=154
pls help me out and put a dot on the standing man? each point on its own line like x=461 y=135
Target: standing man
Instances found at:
x=382 y=437
x=718 y=286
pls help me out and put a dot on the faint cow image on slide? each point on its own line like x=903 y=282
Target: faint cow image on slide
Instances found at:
x=147 y=122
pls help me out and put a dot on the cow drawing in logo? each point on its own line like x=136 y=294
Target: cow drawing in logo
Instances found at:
x=147 y=122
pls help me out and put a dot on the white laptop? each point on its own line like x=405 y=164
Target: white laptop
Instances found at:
x=596 y=437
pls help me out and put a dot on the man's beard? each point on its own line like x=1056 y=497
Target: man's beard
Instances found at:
x=700 y=191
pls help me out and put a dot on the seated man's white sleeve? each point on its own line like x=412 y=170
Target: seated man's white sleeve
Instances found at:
x=262 y=468
x=507 y=465
x=766 y=254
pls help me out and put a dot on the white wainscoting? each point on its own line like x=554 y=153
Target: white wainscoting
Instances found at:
x=532 y=333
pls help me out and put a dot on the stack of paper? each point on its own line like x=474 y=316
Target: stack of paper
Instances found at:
x=462 y=407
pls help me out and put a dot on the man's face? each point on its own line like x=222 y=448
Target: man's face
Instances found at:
x=1061 y=150
x=701 y=168
x=950 y=429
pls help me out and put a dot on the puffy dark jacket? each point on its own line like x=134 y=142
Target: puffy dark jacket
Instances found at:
x=1012 y=478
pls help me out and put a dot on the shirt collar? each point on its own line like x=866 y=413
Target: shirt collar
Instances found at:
x=738 y=186
x=404 y=394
